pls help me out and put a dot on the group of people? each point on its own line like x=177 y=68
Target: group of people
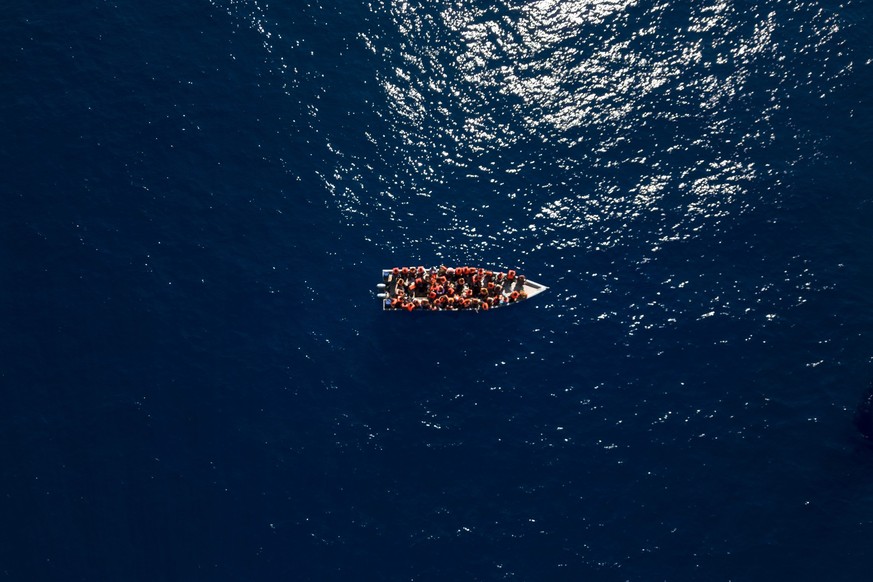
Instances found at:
x=447 y=288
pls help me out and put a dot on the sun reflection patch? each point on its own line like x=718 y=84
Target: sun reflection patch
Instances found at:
x=587 y=123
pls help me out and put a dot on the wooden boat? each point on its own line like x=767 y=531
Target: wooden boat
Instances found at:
x=453 y=289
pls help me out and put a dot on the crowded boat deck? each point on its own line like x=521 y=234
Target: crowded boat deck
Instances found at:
x=453 y=289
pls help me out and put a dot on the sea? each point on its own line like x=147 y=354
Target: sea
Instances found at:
x=197 y=381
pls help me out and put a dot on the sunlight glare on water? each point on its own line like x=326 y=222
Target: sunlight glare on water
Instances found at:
x=541 y=132
x=642 y=125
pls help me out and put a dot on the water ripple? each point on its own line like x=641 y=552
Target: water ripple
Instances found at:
x=539 y=133
x=550 y=128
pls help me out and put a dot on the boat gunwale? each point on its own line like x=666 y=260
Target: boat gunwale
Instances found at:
x=532 y=289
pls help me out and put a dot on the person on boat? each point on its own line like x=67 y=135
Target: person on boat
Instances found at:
x=452 y=288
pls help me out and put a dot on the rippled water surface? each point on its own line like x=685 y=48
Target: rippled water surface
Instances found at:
x=200 y=383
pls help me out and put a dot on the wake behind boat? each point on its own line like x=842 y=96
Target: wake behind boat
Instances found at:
x=453 y=289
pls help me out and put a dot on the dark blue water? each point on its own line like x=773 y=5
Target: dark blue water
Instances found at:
x=198 y=383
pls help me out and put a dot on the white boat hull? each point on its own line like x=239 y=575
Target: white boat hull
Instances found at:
x=504 y=289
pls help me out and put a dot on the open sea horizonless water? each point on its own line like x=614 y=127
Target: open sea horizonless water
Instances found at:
x=198 y=383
